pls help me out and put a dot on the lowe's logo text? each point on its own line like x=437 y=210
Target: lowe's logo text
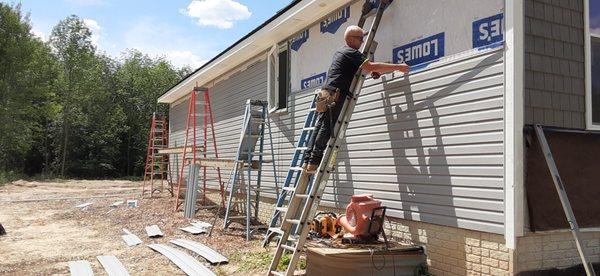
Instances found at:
x=420 y=51
x=298 y=40
x=333 y=23
x=488 y=30
x=316 y=80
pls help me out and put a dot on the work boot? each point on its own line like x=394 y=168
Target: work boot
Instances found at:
x=312 y=168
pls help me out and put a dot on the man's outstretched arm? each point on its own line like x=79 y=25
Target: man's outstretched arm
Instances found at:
x=382 y=67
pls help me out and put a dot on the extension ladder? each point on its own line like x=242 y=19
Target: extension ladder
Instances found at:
x=157 y=164
x=306 y=195
x=251 y=146
x=190 y=150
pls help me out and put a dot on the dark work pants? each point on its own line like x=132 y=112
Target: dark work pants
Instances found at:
x=320 y=136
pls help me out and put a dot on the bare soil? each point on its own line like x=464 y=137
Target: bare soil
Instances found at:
x=45 y=234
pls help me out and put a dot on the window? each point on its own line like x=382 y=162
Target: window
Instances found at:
x=278 y=82
x=593 y=63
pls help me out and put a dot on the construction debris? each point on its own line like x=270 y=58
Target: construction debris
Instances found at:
x=81 y=268
x=153 y=231
x=132 y=203
x=206 y=252
x=117 y=203
x=113 y=266
x=83 y=205
x=2 y=231
x=193 y=230
x=187 y=263
x=191 y=192
x=202 y=224
x=130 y=238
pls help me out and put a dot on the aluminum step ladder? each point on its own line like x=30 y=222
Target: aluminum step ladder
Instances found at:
x=306 y=195
x=244 y=194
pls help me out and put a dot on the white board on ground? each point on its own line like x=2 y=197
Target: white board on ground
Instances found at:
x=187 y=263
x=130 y=238
x=81 y=268
x=206 y=252
x=112 y=265
x=154 y=231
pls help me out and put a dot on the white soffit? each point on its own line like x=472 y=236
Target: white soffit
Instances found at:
x=292 y=21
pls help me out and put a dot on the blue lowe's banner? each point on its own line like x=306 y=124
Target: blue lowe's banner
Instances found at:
x=488 y=31
x=298 y=40
x=332 y=23
x=417 y=52
x=316 y=80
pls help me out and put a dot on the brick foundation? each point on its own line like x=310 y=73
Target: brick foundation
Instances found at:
x=540 y=251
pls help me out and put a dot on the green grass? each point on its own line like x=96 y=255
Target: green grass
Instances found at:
x=9 y=176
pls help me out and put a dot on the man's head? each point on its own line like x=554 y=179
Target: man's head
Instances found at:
x=354 y=36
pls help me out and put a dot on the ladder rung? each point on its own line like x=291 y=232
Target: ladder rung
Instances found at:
x=277 y=273
x=276 y=230
x=281 y=209
x=237 y=217
x=296 y=168
x=293 y=221
x=301 y=148
x=312 y=109
x=301 y=195
x=309 y=128
x=289 y=248
x=289 y=189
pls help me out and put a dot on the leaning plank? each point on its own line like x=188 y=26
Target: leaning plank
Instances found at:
x=113 y=266
x=154 y=231
x=206 y=252
x=176 y=150
x=81 y=268
x=187 y=263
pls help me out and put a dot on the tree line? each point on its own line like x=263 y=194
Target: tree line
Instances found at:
x=69 y=110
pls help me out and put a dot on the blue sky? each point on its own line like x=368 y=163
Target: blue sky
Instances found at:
x=186 y=32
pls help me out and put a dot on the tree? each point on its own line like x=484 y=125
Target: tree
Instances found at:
x=27 y=74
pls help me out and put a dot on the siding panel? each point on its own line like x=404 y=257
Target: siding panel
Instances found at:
x=430 y=146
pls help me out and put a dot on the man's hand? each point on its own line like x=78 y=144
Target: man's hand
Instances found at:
x=382 y=68
x=404 y=68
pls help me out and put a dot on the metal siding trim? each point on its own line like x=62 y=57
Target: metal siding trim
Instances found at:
x=81 y=268
x=187 y=263
x=206 y=252
x=112 y=265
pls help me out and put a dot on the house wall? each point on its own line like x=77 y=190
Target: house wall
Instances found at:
x=429 y=145
x=554 y=63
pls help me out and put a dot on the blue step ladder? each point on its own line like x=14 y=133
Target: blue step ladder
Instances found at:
x=294 y=172
x=244 y=195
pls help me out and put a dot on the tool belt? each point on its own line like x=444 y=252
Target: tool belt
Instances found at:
x=326 y=98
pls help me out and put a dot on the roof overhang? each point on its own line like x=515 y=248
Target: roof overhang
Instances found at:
x=290 y=20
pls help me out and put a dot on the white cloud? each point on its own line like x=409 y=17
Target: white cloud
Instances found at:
x=182 y=58
x=41 y=35
x=159 y=39
x=218 y=13
x=95 y=29
x=595 y=31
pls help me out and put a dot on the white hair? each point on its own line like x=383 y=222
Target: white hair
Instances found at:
x=353 y=28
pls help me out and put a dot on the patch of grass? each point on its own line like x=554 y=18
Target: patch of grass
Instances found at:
x=285 y=260
x=250 y=261
x=9 y=176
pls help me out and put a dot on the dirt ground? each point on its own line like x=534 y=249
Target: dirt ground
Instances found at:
x=43 y=236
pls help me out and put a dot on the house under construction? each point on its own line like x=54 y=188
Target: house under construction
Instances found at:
x=449 y=148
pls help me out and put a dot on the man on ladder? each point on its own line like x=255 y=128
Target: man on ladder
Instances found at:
x=346 y=62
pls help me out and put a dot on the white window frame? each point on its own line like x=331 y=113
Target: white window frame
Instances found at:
x=588 y=67
x=273 y=77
